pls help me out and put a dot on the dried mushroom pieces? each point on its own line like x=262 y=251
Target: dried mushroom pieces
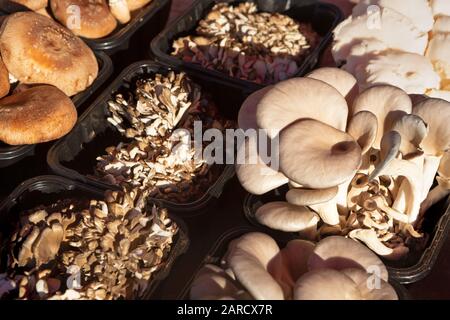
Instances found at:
x=246 y=44
x=95 y=250
x=159 y=157
x=358 y=165
x=255 y=267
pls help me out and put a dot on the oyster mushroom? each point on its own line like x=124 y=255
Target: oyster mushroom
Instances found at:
x=318 y=148
x=371 y=292
x=363 y=127
x=370 y=238
x=300 y=98
x=286 y=217
x=440 y=7
x=247 y=112
x=248 y=258
x=120 y=10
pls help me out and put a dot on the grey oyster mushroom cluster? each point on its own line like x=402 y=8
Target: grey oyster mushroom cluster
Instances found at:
x=158 y=158
x=246 y=44
x=360 y=165
x=255 y=267
x=96 y=250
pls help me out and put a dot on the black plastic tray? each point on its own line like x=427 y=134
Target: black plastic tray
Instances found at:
x=12 y=154
x=74 y=155
x=417 y=265
x=323 y=16
x=153 y=16
x=219 y=249
x=45 y=190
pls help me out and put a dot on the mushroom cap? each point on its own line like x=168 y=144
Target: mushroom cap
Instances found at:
x=442 y=25
x=440 y=7
x=247 y=113
x=341 y=80
x=96 y=20
x=412 y=130
x=362 y=280
x=326 y=284
x=440 y=94
x=36 y=115
x=37 y=50
x=361 y=52
x=410 y=72
x=444 y=166
x=307 y=197
x=33 y=5
x=286 y=217
x=254 y=175
x=339 y=253
x=418 y=11
x=437 y=52
x=249 y=257
x=137 y=4
x=387 y=103
x=394 y=29
x=4 y=79
x=363 y=127
x=317 y=155
x=435 y=113
x=299 y=98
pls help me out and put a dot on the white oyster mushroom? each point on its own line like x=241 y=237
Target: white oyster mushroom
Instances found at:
x=440 y=7
x=439 y=53
x=439 y=94
x=410 y=72
x=442 y=25
x=394 y=29
x=417 y=11
x=361 y=52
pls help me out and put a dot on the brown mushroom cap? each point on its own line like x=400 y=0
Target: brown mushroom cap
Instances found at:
x=137 y=4
x=36 y=115
x=4 y=79
x=300 y=98
x=96 y=20
x=317 y=155
x=36 y=49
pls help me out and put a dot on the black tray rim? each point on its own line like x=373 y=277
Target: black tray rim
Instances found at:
x=57 y=167
x=307 y=65
x=179 y=247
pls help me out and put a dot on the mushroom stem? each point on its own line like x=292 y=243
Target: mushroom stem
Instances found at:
x=327 y=211
x=396 y=215
x=369 y=238
x=430 y=167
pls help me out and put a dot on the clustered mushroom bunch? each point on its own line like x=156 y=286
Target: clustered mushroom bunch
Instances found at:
x=87 y=18
x=402 y=43
x=362 y=166
x=110 y=250
x=246 y=44
x=158 y=158
x=254 y=267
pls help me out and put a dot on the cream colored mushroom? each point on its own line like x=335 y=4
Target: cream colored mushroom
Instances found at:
x=120 y=10
x=439 y=94
x=339 y=253
x=300 y=98
x=317 y=155
x=361 y=52
x=418 y=11
x=323 y=201
x=387 y=103
x=440 y=7
x=413 y=131
x=286 y=217
x=437 y=52
x=339 y=79
x=363 y=127
x=326 y=284
x=410 y=72
x=393 y=28
x=371 y=287
x=247 y=112
x=248 y=258
x=370 y=238
x=253 y=174
x=442 y=25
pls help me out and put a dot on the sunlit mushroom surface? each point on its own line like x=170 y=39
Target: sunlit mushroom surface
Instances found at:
x=246 y=44
x=93 y=249
x=372 y=181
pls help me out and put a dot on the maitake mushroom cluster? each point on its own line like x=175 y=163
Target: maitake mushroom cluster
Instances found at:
x=246 y=44
x=402 y=43
x=99 y=250
x=362 y=166
x=158 y=158
x=254 y=267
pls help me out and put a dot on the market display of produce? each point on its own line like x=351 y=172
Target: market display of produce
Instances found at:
x=92 y=19
x=246 y=44
x=341 y=157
